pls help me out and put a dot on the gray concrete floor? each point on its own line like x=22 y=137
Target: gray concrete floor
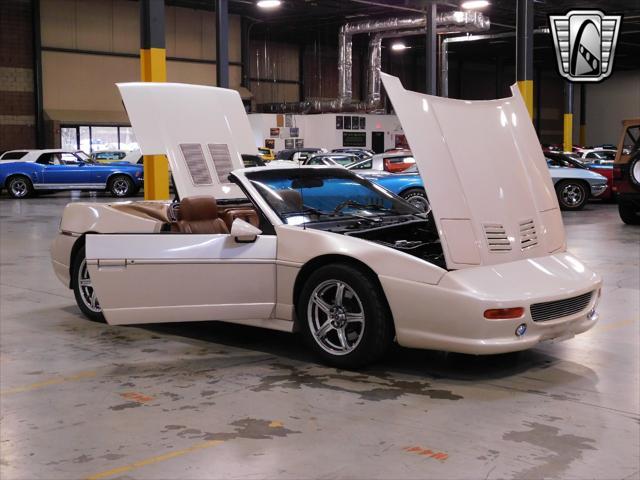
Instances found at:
x=86 y=400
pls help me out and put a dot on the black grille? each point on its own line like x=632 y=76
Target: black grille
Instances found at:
x=541 y=312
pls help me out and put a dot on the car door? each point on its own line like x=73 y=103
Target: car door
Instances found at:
x=176 y=277
x=151 y=278
x=64 y=169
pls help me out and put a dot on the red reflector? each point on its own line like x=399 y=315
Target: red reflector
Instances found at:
x=504 y=313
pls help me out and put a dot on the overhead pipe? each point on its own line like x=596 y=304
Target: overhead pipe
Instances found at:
x=467 y=20
x=447 y=22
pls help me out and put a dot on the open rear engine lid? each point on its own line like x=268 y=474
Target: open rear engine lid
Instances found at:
x=203 y=131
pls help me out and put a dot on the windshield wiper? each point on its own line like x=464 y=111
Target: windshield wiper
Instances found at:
x=353 y=203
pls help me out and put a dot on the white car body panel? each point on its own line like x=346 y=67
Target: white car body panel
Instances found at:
x=186 y=277
x=165 y=116
x=143 y=274
x=491 y=173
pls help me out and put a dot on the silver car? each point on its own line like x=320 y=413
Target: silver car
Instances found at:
x=574 y=184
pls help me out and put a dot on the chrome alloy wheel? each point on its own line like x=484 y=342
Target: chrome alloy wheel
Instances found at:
x=572 y=195
x=120 y=187
x=87 y=292
x=420 y=203
x=336 y=317
x=19 y=188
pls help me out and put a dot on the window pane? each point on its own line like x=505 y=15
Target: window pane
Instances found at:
x=104 y=138
x=128 y=139
x=85 y=142
x=68 y=138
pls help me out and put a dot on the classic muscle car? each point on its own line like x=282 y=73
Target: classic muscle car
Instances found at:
x=45 y=170
x=486 y=271
x=574 y=181
x=385 y=162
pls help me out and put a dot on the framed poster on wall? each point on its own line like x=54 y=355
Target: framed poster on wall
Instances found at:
x=294 y=132
x=270 y=143
x=354 y=139
x=363 y=123
x=299 y=143
x=347 y=123
x=339 y=122
x=289 y=143
x=355 y=123
x=280 y=120
x=288 y=120
x=274 y=132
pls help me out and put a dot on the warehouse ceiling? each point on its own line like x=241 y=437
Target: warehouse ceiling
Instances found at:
x=312 y=21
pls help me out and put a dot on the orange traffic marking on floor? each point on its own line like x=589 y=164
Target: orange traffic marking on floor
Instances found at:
x=276 y=424
x=426 y=452
x=136 y=397
x=46 y=383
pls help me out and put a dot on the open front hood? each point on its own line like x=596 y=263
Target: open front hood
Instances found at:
x=485 y=175
x=202 y=130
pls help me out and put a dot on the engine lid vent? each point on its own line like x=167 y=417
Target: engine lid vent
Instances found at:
x=528 y=235
x=496 y=236
x=196 y=163
x=221 y=160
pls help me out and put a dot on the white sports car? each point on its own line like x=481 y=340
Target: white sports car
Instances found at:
x=325 y=252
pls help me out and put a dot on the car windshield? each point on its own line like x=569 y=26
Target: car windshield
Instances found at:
x=602 y=155
x=343 y=160
x=83 y=156
x=307 y=196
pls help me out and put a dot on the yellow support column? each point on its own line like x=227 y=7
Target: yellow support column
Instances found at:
x=153 y=68
x=526 y=90
x=567 y=136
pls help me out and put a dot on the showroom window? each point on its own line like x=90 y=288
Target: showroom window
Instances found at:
x=97 y=138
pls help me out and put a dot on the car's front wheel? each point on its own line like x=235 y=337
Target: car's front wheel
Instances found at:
x=628 y=213
x=20 y=187
x=343 y=316
x=418 y=198
x=83 y=288
x=572 y=195
x=121 y=186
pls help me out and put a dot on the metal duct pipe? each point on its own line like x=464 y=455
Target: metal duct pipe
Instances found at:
x=467 y=20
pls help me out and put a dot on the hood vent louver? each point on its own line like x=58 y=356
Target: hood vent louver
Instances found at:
x=196 y=163
x=528 y=235
x=221 y=160
x=496 y=237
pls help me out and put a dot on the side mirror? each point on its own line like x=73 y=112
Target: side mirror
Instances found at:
x=244 y=232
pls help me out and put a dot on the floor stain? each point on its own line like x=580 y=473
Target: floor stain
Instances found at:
x=564 y=448
x=371 y=386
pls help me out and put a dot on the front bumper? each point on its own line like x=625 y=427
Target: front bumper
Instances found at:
x=598 y=189
x=450 y=316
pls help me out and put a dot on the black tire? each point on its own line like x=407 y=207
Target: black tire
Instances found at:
x=121 y=186
x=418 y=198
x=365 y=344
x=634 y=166
x=20 y=186
x=628 y=213
x=80 y=291
x=572 y=194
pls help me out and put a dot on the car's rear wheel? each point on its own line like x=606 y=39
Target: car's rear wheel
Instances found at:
x=628 y=213
x=83 y=288
x=20 y=186
x=418 y=198
x=634 y=170
x=121 y=186
x=343 y=316
x=572 y=195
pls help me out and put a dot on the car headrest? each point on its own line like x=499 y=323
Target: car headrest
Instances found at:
x=198 y=208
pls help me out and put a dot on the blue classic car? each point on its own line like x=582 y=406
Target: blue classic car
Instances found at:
x=407 y=185
x=23 y=172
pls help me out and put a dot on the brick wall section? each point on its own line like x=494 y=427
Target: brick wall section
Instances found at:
x=17 y=101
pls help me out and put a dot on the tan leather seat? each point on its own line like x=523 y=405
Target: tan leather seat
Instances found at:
x=246 y=214
x=200 y=215
x=292 y=199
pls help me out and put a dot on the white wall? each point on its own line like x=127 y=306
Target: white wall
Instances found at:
x=608 y=103
x=320 y=130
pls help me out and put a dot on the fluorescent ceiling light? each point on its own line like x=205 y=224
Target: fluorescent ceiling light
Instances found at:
x=398 y=46
x=471 y=4
x=269 y=3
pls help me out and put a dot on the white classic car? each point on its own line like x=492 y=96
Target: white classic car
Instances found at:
x=325 y=252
